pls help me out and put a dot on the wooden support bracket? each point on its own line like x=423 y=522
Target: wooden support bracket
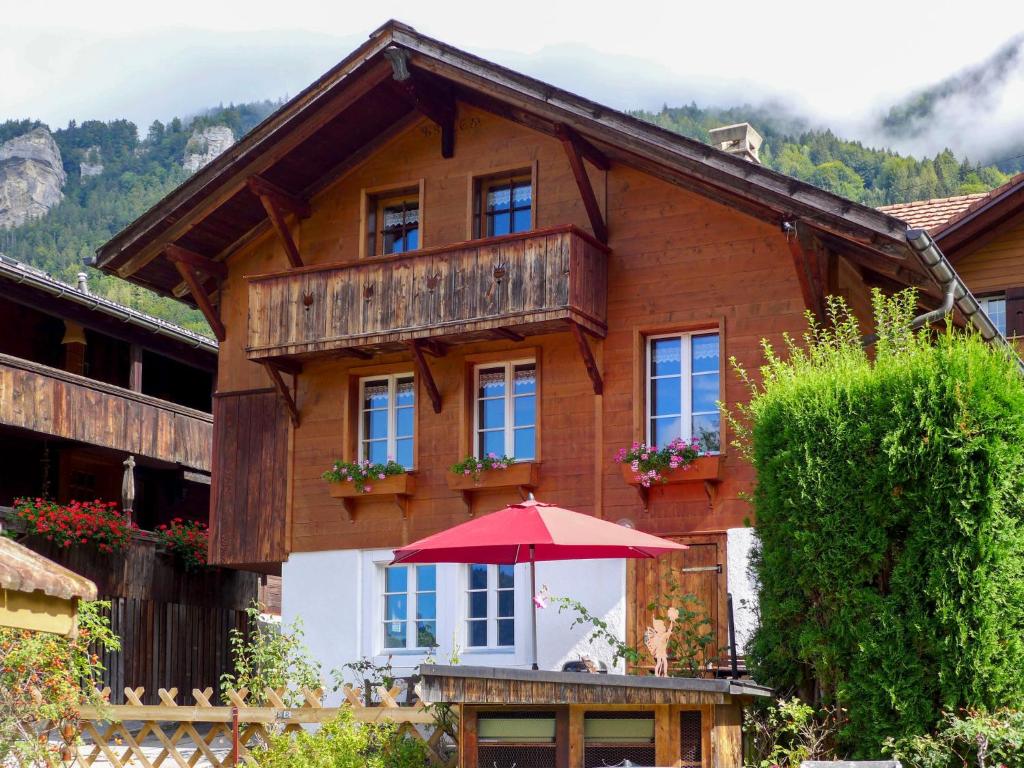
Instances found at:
x=505 y=333
x=202 y=298
x=274 y=370
x=275 y=202
x=808 y=271
x=206 y=265
x=576 y=149
x=588 y=358
x=432 y=101
x=401 y=502
x=417 y=348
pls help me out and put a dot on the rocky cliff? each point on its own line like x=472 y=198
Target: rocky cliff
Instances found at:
x=31 y=177
x=206 y=144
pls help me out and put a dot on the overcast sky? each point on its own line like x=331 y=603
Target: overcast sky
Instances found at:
x=841 y=63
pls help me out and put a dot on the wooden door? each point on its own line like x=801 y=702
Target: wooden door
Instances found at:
x=699 y=571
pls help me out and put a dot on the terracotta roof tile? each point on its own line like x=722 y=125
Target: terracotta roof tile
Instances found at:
x=932 y=214
x=23 y=570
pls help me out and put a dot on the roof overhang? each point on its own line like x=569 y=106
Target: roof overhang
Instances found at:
x=341 y=117
x=983 y=220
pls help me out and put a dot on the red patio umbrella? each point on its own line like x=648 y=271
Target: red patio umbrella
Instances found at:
x=531 y=531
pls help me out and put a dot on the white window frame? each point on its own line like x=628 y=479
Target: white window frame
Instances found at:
x=510 y=403
x=686 y=382
x=392 y=438
x=492 y=610
x=411 y=599
x=984 y=302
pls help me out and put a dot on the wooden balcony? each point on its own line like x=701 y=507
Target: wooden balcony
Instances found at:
x=53 y=402
x=519 y=285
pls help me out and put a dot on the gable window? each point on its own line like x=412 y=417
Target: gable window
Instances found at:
x=995 y=308
x=410 y=607
x=682 y=389
x=393 y=222
x=505 y=413
x=490 y=606
x=387 y=418
x=503 y=204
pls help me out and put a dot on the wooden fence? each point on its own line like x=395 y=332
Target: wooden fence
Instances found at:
x=190 y=736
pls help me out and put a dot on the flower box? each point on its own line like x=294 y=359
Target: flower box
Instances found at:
x=701 y=468
x=399 y=487
x=524 y=475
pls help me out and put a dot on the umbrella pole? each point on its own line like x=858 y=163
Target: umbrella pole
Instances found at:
x=533 y=603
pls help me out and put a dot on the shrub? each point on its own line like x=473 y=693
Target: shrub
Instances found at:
x=343 y=743
x=80 y=522
x=968 y=740
x=787 y=732
x=64 y=671
x=270 y=656
x=888 y=503
x=188 y=540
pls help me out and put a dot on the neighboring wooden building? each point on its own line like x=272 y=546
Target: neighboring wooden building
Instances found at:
x=425 y=255
x=983 y=236
x=86 y=383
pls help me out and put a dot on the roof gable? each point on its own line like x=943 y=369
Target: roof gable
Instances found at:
x=342 y=116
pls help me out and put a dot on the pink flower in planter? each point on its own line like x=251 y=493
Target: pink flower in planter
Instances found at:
x=380 y=476
x=367 y=488
x=467 y=472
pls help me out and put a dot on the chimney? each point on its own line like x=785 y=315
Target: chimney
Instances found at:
x=83 y=282
x=740 y=140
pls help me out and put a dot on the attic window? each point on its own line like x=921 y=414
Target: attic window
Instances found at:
x=503 y=203
x=393 y=222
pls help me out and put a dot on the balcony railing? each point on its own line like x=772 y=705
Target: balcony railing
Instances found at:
x=53 y=402
x=514 y=285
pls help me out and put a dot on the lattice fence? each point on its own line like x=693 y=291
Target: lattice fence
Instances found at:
x=137 y=735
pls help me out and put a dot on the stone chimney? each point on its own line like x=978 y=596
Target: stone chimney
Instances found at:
x=740 y=140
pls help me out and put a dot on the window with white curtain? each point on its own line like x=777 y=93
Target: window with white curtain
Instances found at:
x=387 y=418
x=505 y=417
x=683 y=387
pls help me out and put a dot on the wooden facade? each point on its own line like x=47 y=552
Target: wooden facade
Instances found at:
x=634 y=233
x=56 y=403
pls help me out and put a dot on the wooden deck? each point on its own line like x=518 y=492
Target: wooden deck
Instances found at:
x=53 y=402
x=516 y=285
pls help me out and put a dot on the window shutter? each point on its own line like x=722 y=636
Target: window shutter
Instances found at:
x=1014 y=312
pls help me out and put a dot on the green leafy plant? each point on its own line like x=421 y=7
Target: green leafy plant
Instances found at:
x=96 y=523
x=474 y=465
x=890 y=523
x=601 y=632
x=787 y=732
x=343 y=743
x=650 y=463
x=966 y=740
x=367 y=675
x=45 y=679
x=270 y=656
x=361 y=473
x=693 y=635
x=188 y=540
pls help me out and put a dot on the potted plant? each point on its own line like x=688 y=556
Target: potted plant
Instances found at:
x=187 y=540
x=678 y=462
x=96 y=523
x=491 y=471
x=353 y=480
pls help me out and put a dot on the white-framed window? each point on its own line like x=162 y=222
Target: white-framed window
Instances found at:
x=683 y=385
x=490 y=606
x=505 y=409
x=995 y=308
x=410 y=607
x=387 y=416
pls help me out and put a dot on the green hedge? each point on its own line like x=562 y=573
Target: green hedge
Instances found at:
x=888 y=505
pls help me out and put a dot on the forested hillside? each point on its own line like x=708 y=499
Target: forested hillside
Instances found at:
x=138 y=170
x=848 y=168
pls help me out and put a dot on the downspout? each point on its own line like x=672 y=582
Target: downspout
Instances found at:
x=955 y=293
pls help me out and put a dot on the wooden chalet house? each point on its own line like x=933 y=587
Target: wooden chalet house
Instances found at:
x=425 y=255
x=85 y=385
x=983 y=236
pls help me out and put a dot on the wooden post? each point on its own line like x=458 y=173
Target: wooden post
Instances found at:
x=135 y=372
x=663 y=752
x=576 y=744
x=74 y=347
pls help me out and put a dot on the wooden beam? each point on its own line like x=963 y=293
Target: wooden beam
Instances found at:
x=505 y=333
x=434 y=102
x=188 y=274
x=588 y=358
x=433 y=347
x=416 y=348
x=574 y=152
x=281 y=228
x=282 y=390
x=135 y=369
x=808 y=276
x=202 y=263
x=589 y=152
x=292 y=203
x=360 y=354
